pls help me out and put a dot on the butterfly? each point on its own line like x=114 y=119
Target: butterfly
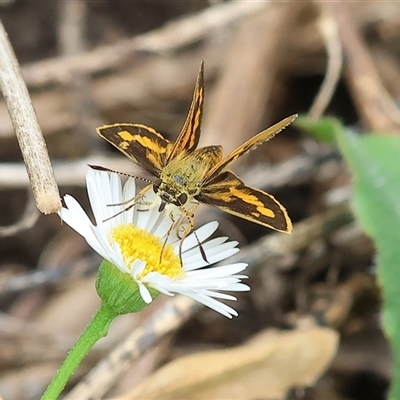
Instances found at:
x=185 y=175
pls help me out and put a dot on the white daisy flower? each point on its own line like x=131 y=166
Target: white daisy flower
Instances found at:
x=134 y=240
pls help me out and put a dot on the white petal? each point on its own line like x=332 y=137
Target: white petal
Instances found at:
x=239 y=287
x=129 y=193
x=137 y=268
x=213 y=256
x=147 y=214
x=218 y=295
x=214 y=304
x=75 y=216
x=202 y=233
x=215 y=272
x=144 y=292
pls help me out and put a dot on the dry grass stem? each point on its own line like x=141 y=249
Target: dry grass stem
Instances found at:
x=28 y=219
x=376 y=107
x=328 y=28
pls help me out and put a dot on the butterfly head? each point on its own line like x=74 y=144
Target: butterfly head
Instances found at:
x=170 y=194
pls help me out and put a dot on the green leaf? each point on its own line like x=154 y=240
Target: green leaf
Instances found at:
x=325 y=129
x=375 y=163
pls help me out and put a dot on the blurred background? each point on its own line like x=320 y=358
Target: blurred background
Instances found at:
x=102 y=62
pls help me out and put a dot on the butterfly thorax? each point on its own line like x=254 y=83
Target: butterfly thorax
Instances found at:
x=181 y=179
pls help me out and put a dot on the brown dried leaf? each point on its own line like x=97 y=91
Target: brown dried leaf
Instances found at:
x=266 y=367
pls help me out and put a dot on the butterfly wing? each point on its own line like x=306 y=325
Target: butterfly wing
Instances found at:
x=228 y=193
x=190 y=134
x=142 y=144
x=251 y=144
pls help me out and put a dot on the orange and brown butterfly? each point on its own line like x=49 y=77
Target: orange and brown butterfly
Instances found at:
x=186 y=176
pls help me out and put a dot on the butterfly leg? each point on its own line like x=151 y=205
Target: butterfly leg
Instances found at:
x=134 y=200
x=187 y=230
x=171 y=228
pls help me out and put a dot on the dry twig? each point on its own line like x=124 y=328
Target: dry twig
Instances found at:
x=270 y=247
x=169 y=38
x=17 y=284
x=27 y=129
x=70 y=173
x=71 y=42
x=294 y=171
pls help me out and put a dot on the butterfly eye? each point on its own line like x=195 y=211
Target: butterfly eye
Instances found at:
x=182 y=199
x=156 y=185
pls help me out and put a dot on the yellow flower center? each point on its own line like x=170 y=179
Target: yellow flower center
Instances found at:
x=136 y=243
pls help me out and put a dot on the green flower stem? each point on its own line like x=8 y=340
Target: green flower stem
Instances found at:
x=96 y=329
x=119 y=295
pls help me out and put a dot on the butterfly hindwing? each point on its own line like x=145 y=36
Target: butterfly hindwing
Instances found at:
x=189 y=137
x=228 y=193
x=142 y=144
x=251 y=144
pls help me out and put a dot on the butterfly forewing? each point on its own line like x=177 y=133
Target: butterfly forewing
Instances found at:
x=230 y=194
x=189 y=137
x=142 y=144
x=251 y=144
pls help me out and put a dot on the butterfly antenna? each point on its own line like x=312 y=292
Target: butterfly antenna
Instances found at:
x=134 y=199
x=100 y=168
